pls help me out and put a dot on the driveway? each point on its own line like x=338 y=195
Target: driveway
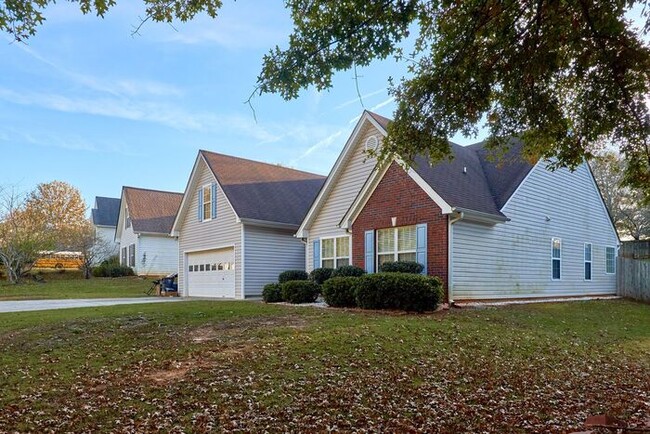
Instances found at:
x=28 y=305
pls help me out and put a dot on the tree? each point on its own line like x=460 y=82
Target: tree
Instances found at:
x=630 y=216
x=566 y=76
x=93 y=247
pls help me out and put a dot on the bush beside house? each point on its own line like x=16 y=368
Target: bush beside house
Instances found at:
x=300 y=291
x=111 y=268
x=289 y=275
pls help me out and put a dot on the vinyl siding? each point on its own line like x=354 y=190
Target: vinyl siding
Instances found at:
x=156 y=255
x=127 y=238
x=223 y=231
x=513 y=259
x=267 y=253
x=107 y=234
x=352 y=178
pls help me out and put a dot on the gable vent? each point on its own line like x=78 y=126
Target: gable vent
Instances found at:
x=371 y=143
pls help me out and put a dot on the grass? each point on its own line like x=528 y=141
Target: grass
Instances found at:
x=244 y=366
x=70 y=284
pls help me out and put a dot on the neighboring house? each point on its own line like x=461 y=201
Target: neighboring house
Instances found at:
x=236 y=225
x=104 y=217
x=143 y=230
x=509 y=229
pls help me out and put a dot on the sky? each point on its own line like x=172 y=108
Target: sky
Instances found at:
x=86 y=102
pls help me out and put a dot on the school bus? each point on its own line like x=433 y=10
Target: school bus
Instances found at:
x=59 y=260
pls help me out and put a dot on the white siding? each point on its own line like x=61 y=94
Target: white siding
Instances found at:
x=513 y=259
x=267 y=253
x=156 y=255
x=352 y=178
x=127 y=238
x=107 y=235
x=224 y=231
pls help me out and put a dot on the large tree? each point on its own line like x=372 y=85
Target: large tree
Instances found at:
x=564 y=75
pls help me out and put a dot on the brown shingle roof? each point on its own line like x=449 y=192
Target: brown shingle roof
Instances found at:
x=263 y=191
x=152 y=211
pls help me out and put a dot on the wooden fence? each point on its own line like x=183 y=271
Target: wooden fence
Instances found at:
x=633 y=278
x=635 y=249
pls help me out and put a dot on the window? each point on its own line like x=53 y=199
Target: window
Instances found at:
x=123 y=262
x=396 y=244
x=132 y=255
x=556 y=258
x=207 y=202
x=587 y=261
x=610 y=260
x=335 y=252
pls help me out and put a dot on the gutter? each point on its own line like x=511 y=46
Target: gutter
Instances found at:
x=450 y=256
x=269 y=224
x=480 y=216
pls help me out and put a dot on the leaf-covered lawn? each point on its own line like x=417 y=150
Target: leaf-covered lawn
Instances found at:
x=244 y=366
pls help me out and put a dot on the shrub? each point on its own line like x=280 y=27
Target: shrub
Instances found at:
x=340 y=291
x=300 y=291
x=410 y=292
x=320 y=275
x=289 y=275
x=401 y=267
x=112 y=271
x=348 y=271
x=272 y=293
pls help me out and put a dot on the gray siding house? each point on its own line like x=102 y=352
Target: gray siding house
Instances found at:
x=104 y=217
x=236 y=223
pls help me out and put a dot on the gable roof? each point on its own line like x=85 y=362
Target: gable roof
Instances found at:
x=262 y=191
x=106 y=211
x=151 y=211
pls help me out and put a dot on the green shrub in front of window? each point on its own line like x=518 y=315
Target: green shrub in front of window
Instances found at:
x=320 y=275
x=348 y=271
x=340 y=291
x=289 y=275
x=272 y=293
x=401 y=267
x=400 y=291
x=300 y=291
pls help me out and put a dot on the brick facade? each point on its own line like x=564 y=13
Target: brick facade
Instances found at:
x=397 y=195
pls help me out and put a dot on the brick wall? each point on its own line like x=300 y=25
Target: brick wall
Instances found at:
x=397 y=195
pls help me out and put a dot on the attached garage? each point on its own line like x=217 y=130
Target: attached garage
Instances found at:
x=211 y=273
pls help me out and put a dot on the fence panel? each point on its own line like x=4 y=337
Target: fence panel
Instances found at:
x=633 y=277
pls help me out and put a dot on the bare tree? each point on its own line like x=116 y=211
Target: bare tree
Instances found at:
x=93 y=247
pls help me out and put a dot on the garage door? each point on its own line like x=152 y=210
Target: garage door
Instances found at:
x=211 y=273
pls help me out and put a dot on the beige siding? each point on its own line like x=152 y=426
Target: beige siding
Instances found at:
x=220 y=232
x=352 y=178
x=513 y=259
x=267 y=253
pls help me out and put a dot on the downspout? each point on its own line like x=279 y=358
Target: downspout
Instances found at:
x=450 y=256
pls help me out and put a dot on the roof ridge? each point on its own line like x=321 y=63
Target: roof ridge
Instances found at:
x=274 y=165
x=124 y=187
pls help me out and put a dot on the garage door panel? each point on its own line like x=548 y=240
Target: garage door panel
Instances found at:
x=211 y=273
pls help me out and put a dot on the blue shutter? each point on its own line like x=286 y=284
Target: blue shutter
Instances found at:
x=421 y=245
x=316 y=254
x=200 y=210
x=214 y=200
x=370 y=251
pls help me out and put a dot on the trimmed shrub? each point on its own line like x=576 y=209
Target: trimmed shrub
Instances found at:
x=112 y=271
x=401 y=267
x=348 y=271
x=289 y=275
x=340 y=291
x=300 y=291
x=320 y=275
x=272 y=293
x=403 y=291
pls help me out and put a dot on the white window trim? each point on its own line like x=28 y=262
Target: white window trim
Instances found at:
x=553 y=258
x=585 y=262
x=209 y=187
x=396 y=252
x=613 y=248
x=335 y=258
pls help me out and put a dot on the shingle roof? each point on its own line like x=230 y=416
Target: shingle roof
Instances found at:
x=484 y=186
x=106 y=212
x=152 y=211
x=263 y=191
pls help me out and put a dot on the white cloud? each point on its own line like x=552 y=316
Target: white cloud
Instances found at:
x=324 y=143
x=383 y=103
x=356 y=100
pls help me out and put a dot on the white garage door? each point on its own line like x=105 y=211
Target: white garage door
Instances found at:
x=211 y=273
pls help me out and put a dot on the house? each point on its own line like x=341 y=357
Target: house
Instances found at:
x=143 y=230
x=236 y=224
x=504 y=230
x=104 y=218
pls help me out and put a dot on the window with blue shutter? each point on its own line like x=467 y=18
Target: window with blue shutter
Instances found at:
x=369 y=248
x=200 y=207
x=316 y=247
x=214 y=200
x=421 y=246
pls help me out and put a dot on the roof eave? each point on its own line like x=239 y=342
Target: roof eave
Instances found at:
x=480 y=216
x=269 y=224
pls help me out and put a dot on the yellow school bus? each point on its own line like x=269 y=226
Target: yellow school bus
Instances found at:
x=59 y=260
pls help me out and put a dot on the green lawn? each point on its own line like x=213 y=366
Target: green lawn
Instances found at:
x=70 y=284
x=244 y=366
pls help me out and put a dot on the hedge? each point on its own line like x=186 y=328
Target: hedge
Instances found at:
x=320 y=275
x=110 y=270
x=272 y=293
x=289 y=275
x=401 y=267
x=348 y=271
x=340 y=291
x=300 y=291
x=402 y=291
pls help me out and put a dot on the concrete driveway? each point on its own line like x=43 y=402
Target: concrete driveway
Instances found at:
x=29 y=305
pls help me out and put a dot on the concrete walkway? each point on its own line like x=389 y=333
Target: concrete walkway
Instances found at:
x=29 y=305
